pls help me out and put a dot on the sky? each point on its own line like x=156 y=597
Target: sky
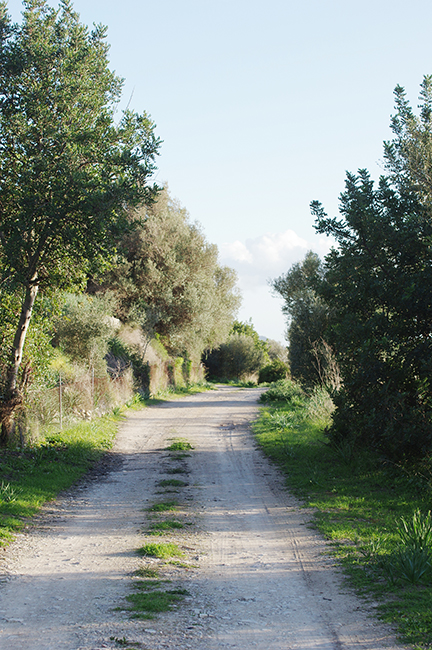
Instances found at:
x=263 y=107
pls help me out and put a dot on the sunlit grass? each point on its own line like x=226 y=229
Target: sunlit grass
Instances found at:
x=359 y=501
x=36 y=474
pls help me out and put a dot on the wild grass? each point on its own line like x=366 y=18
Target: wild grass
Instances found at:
x=164 y=506
x=33 y=475
x=145 y=604
x=171 y=482
x=179 y=444
x=161 y=551
x=163 y=527
x=375 y=515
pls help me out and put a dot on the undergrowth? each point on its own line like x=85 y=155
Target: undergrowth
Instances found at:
x=375 y=515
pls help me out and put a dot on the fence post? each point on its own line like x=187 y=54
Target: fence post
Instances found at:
x=93 y=387
x=60 y=402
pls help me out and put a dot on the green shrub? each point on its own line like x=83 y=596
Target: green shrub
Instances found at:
x=283 y=390
x=274 y=371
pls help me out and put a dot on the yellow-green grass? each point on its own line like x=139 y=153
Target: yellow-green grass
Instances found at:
x=359 y=500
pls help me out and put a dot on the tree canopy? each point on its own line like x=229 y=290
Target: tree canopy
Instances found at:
x=69 y=167
x=307 y=316
x=378 y=284
x=170 y=281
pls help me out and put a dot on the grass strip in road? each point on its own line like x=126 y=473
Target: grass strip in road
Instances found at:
x=172 y=482
x=179 y=444
x=33 y=475
x=161 y=551
x=164 y=506
x=164 y=527
x=360 y=503
x=145 y=604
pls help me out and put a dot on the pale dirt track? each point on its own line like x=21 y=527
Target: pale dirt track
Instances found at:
x=260 y=579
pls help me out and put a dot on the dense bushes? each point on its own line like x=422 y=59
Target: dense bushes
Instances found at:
x=273 y=371
x=283 y=390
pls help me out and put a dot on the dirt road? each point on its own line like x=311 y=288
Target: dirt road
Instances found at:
x=254 y=571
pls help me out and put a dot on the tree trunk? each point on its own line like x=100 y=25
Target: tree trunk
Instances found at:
x=13 y=396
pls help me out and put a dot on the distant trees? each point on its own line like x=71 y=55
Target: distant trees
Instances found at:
x=240 y=356
x=169 y=280
x=307 y=315
x=67 y=168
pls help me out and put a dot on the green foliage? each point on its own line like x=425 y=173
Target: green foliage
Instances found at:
x=283 y=390
x=416 y=533
x=360 y=505
x=171 y=482
x=144 y=605
x=69 y=167
x=84 y=328
x=378 y=285
x=273 y=371
x=169 y=281
x=243 y=354
x=166 y=526
x=378 y=288
x=308 y=317
x=276 y=351
x=164 y=506
x=180 y=445
x=120 y=356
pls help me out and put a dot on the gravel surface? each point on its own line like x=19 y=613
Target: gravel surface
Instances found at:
x=256 y=575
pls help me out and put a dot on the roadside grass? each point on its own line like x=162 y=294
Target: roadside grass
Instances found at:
x=371 y=511
x=190 y=389
x=31 y=476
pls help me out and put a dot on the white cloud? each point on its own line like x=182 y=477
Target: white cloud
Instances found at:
x=236 y=251
x=259 y=260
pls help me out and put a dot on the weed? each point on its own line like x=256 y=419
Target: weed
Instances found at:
x=160 y=550
x=407 y=564
x=183 y=565
x=145 y=605
x=417 y=532
x=122 y=641
x=177 y=470
x=8 y=494
x=164 y=506
x=164 y=526
x=179 y=445
x=172 y=482
x=147 y=572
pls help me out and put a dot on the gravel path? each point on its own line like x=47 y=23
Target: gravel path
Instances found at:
x=255 y=573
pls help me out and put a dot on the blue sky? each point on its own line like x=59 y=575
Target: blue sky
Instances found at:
x=262 y=108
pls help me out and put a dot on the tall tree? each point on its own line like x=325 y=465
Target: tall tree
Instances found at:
x=307 y=316
x=68 y=169
x=378 y=283
x=169 y=277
